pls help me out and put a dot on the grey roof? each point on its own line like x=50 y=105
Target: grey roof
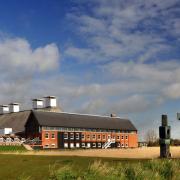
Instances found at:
x=82 y=121
x=16 y=121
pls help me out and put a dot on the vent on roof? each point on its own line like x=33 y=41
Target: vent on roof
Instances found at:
x=14 y=107
x=113 y=115
x=50 y=101
x=4 y=109
x=37 y=103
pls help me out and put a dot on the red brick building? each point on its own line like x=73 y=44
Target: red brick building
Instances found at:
x=70 y=130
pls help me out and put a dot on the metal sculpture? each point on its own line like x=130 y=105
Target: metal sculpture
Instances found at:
x=164 y=138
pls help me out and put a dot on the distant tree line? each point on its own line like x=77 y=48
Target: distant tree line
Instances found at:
x=153 y=140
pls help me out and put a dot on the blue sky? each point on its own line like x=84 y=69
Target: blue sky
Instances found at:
x=96 y=56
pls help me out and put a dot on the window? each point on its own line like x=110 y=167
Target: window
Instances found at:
x=82 y=136
x=88 y=145
x=99 y=145
x=118 y=145
x=53 y=145
x=71 y=145
x=77 y=135
x=99 y=136
x=94 y=136
x=122 y=137
x=122 y=145
x=83 y=145
x=126 y=145
x=47 y=135
x=126 y=137
x=65 y=135
x=53 y=136
x=72 y=136
x=94 y=144
x=118 y=137
x=77 y=145
x=65 y=145
x=46 y=146
x=88 y=136
x=104 y=137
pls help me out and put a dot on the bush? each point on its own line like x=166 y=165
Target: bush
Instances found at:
x=148 y=170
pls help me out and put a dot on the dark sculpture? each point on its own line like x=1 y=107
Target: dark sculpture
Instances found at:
x=164 y=138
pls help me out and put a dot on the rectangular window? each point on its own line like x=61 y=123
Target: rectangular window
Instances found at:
x=94 y=145
x=83 y=145
x=99 y=145
x=104 y=137
x=118 y=145
x=126 y=137
x=99 y=136
x=65 y=135
x=53 y=136
x=71 y=145
x=88 y=145
x=77 y=145
x=82 y=136
x=94 y=136
x=88 y=136
x=52 y=145
x=65 y=145
x=77 y=135
x=126 y=145
x=122 y=145
x=118 y=137
x=122 y=137
x=72 y=136
x=46 y=146
x=47 y=135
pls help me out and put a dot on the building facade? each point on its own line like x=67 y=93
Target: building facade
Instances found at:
x=55 y=129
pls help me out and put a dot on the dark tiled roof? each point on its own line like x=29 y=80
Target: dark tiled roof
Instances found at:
x=82 y=121
x=16 y=121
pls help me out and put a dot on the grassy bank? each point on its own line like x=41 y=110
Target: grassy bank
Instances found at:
x=53 y=167
x=12 y=149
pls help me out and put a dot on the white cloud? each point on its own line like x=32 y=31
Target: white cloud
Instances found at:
x=17 y=53
x=124 y=30
x=20 y=64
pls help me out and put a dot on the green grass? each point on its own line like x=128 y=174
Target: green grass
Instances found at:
x=83 y=168
x=12 y=149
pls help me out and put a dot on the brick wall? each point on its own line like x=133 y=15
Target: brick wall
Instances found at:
x=51 y=141
x=123 y=140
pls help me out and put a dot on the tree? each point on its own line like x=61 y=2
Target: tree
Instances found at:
x=151 y=138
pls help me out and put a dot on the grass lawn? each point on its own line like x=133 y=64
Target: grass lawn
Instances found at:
x=40 y=167
x=12 y=148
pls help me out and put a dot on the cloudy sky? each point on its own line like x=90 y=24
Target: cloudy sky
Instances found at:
x=96 y=56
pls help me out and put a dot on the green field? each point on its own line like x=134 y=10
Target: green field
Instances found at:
x=52 y=167
x=12 y=149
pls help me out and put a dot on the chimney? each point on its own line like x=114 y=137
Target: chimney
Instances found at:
x=37 y=103
x=4 y=109
x=14 y=107
x=50 y=101
x=113 y=115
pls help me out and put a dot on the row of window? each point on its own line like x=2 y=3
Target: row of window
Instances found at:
x=93 y=136
x=89 y=145
x=50 y=146
x=47 y=136
x=84 y=129
x=77 y=136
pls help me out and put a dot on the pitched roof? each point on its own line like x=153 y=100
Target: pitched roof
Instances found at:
x=16 y=121
x=62 y=119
